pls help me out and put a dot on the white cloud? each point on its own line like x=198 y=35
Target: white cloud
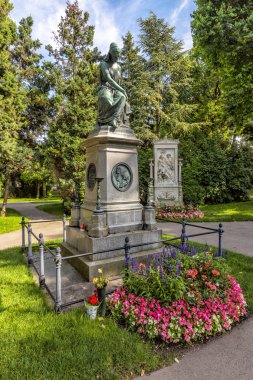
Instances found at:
x=177 y=11
x=111 y=21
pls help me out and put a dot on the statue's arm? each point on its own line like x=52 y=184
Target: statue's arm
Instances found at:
x=108 y=78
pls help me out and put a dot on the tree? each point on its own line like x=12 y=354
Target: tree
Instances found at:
x=222 y=35
x=135 y=81
x=168 y=69
x=73 y=75
x=12 y=104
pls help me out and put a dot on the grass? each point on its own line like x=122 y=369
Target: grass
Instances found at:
x=38 y=344
x=11 y=222
x=225 y=212
x=55 y=209
x=35 y=200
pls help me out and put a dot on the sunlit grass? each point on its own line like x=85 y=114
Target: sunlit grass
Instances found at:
x=36 y=200
x=55 y=209
x=38 y=344
x=11 y=222
x=224 y=212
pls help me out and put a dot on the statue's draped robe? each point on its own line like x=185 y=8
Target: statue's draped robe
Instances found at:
x=111 y=102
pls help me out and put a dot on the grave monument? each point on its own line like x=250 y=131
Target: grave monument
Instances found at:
x=166 y=173
x=111 y=210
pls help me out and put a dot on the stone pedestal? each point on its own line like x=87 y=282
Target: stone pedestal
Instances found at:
x=113 y=156
x=112 y=211
x=113 y=259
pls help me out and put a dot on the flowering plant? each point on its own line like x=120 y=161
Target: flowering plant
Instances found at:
x=179 y=322
x=92 y=300
x=100 y=281
x=172 y=212
x=176 y=273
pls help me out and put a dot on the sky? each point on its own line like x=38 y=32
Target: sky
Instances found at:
x=112 y=18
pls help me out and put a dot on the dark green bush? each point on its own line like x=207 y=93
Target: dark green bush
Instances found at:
x=215 y=171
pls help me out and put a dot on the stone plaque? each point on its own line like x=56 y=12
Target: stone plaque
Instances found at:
x=122 y=176
x=91 y=176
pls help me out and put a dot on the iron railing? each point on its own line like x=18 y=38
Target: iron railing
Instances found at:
x=58 y=258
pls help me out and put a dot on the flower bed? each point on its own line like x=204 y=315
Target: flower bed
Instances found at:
x=168 y=212
x=178 y=298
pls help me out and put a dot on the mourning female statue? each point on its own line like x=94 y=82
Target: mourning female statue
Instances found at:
x=113 y=108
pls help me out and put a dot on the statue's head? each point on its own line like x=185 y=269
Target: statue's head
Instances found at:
x=114 y=52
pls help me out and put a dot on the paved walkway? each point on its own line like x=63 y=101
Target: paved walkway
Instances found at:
x=50 y=230
x=238 y=236
x=228 y=357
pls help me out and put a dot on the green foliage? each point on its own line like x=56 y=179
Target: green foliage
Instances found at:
x=73 y=77
x=178 y=273
x=222 y=34
x=215 y=171
x=157 y=77
x=144 y=155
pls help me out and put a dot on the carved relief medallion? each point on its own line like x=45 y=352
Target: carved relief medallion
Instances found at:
x=91 y=175
x=122 y=176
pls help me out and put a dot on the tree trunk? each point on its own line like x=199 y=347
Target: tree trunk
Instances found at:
x=44 y=189
x=38 y=190
x=6 y=193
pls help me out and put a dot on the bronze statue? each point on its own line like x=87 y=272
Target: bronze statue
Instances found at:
x=113 y=108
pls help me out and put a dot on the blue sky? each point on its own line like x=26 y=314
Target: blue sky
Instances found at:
x=112 y=18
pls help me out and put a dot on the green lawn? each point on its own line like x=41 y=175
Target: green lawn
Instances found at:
x=38 y=344
x=54 y=209
x=228 y=212
x=35 y=200
x=11 y=222
x=225 y=212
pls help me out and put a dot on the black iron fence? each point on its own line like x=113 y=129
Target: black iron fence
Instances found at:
x=58 y=258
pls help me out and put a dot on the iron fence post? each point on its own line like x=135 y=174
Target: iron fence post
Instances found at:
x=127 y=249
x=221 y=231
x=183 y=233
x=23 y=234
x=42 y=279
x=30 y=250
x=58 y=262
x=64 y=228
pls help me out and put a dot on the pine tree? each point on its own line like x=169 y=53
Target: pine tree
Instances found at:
x=13 y=154
x=169 y=77
x=74 y=76
x=136 y=83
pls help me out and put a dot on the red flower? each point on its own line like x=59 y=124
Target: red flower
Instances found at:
x=215 y=272
x=92 y=300
x=204 y=276
x=207 y=264
x=192 y=273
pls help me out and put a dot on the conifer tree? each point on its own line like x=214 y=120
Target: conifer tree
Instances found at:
x=137 y=86
x=13 y=154
x=74 y=76
x=169 y=77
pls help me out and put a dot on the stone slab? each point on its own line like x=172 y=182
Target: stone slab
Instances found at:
x=82 y=243
x=111 y=266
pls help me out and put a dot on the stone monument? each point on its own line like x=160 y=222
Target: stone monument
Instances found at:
x=166 y=171
x=111 y=210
